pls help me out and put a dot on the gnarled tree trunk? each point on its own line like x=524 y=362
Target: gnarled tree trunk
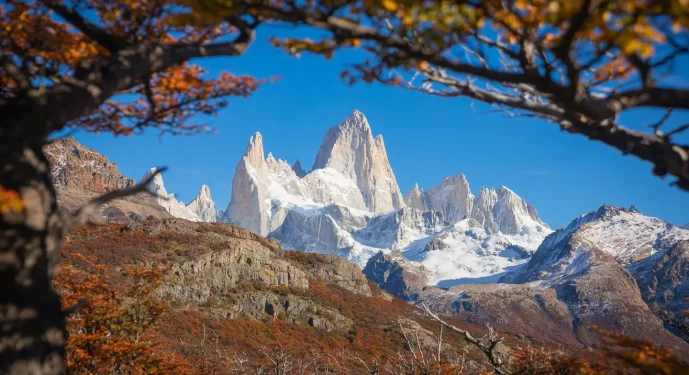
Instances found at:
x=32 y=324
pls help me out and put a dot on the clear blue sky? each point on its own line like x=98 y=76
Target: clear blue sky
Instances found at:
x=427 y=138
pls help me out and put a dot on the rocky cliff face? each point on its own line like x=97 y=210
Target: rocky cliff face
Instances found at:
x=210 y=265
x=80 y=174
x=452 y=197
x=397 y=275
x=351 y=150
x=664 y=284
x=75 y=166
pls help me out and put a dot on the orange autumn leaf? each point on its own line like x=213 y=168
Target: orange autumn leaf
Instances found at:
x=10 y=201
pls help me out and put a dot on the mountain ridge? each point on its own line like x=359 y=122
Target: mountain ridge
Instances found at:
x=351 y=192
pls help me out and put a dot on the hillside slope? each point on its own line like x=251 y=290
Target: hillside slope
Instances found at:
x=231 y=294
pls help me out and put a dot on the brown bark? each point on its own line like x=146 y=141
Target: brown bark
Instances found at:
x=32 y=324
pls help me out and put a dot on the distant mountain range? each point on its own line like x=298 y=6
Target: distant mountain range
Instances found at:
x=615 y=268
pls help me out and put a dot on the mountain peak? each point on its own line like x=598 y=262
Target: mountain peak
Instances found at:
x=357 y=121
x=254 y=150
x=205 y=192
x=156 y=186
x=297 y=168
x=350 y=149
x=271 y=159
x=606 y=211
x=203 y=206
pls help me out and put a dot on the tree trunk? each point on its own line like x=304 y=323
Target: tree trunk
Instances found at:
x=32 y=325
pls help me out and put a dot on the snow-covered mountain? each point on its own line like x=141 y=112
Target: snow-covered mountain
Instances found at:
x=203 y=205
x=625 y=235
x=202 y=208
x=498 y=210
x=350 y=204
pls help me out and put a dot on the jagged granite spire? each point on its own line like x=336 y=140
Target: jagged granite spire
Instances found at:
x=350 y=149
x=254 y=150
x=174 y=207
x=203 y=205
x=452 y=198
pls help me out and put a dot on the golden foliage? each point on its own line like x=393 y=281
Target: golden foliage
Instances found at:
x=110 y=328
x=10 y=201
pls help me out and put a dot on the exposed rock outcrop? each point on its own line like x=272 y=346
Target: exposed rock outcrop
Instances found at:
x=223 y=258
x=397 y=275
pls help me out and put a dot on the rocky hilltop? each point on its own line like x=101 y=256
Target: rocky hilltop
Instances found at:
x=80 y=174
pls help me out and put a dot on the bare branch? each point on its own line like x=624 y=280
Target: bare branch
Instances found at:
x=656 y=126
x=677 y=130
x=487 y=345
x=80 y=217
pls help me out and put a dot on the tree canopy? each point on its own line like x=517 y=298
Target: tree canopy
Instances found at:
x=117 y=66
x=580 y=64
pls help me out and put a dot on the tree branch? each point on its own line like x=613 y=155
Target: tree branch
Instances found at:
x=405 y=51
x=650 y=97
x=91 y=30
x=80 y=217
x=666 y=157
x=43 y=111
x=487 y=345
